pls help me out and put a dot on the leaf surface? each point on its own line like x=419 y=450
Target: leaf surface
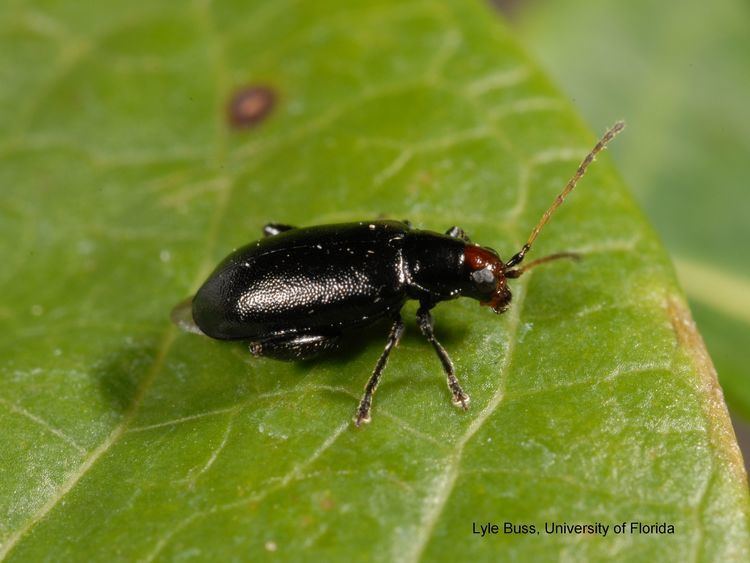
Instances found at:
x=592 y=399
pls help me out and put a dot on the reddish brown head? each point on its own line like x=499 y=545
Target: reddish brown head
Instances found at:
x=487 y=274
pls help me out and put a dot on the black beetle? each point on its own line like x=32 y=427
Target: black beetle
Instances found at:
x=294 y=293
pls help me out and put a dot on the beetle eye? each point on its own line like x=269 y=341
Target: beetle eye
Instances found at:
x=484 y=279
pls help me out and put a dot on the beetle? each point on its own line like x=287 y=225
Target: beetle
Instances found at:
x=296 y=292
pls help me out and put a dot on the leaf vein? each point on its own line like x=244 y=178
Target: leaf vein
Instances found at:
x=44 y=424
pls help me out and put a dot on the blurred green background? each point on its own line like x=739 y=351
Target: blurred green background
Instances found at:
x=679 y=73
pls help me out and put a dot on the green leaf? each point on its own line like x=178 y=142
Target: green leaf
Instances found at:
x=593 y=399
x=679 y=72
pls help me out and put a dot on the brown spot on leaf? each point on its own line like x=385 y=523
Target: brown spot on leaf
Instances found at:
x=250 y=105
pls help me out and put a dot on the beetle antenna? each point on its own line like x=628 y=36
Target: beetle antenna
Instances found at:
x=599 y=147
x=518 y=272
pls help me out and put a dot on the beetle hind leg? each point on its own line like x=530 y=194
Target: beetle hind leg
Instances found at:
x=294 y=347
x=271 y=229
x=424 y=319
x=363 y=411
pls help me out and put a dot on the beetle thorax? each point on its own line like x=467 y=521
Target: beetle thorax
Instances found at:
x=433 y=266
x=439 y=267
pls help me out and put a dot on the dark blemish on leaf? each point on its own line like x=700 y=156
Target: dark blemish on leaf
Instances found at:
x=250 y=105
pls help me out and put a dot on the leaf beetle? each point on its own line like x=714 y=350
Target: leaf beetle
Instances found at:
x=296 y=292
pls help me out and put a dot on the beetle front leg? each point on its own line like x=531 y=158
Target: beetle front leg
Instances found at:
x=424 y=319
x=363 y=411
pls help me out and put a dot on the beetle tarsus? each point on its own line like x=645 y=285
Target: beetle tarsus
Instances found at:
x=256 y=349
x=426 y=325
x=363 y=411
x=362 y=418
x=460 y=399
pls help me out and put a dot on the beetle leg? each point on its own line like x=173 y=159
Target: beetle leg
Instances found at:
x=459 y=233
x=424 y=319
x=271 y=229
x=363 y=411
x=294 y=347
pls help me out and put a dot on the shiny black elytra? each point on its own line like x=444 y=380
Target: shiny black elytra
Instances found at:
x=296 y=292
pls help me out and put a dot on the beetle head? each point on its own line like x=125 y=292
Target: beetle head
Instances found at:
x=487 y=280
